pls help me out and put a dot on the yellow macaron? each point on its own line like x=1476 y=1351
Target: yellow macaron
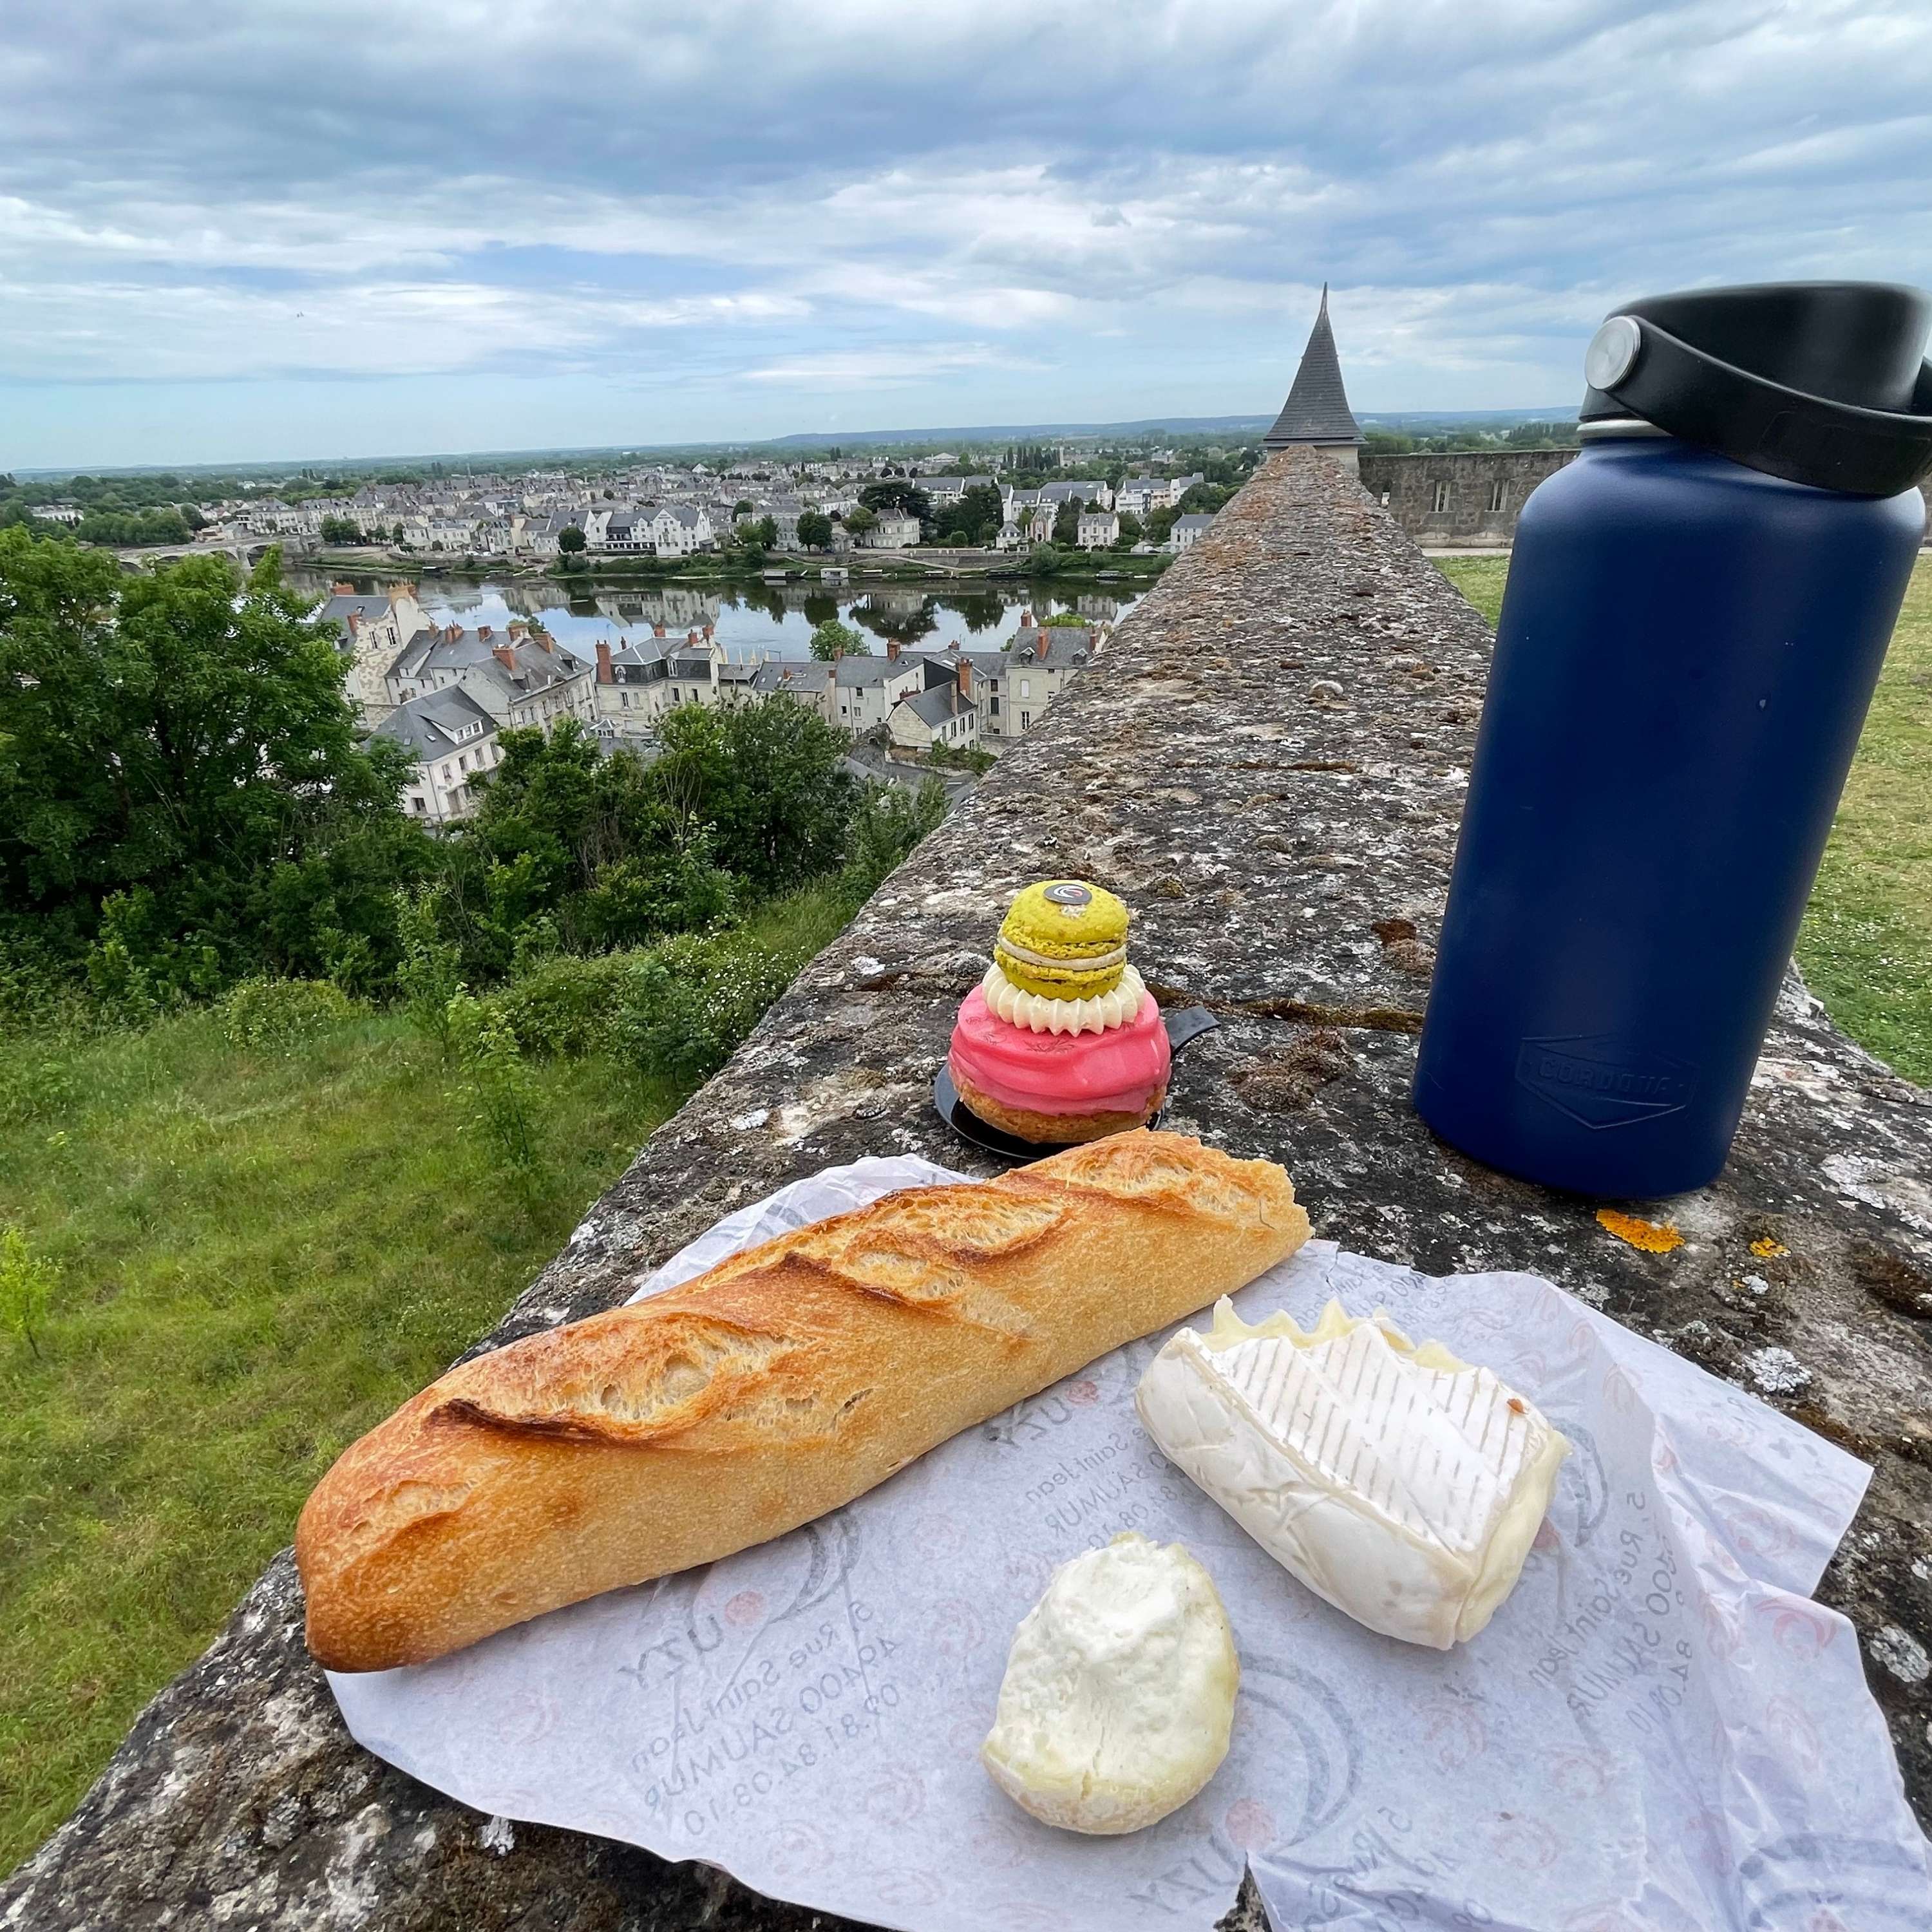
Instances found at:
x=1063 y=940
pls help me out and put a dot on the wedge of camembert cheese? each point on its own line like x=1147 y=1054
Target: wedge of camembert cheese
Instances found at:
x=1401 y=1485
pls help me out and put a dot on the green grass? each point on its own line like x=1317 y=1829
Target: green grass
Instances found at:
x=259 y=1257
x=1866 y=944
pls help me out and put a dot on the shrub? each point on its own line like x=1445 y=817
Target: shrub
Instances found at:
x=274 y=1015
x=563 y=1007
x=498 y=1084
x=429 y=974
x=26 y=1287
x=691 y=1000
x=32 y=1086
x=888 y=823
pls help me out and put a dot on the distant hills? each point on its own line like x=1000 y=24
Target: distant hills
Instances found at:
x=1436 y=419
x=1423 y=420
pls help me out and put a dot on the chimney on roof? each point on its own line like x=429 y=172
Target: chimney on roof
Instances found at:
x=484 y=631
x=544 y=640
x=355 y=622
x=518 y=628
x=892 y=647
x=657 y=630
x=342 y=589
x=1039 y=645
x=605 y=675
x=505 y=656
x=450 y=632
x=953 y=644
x=965 y=674
x=1026 y=620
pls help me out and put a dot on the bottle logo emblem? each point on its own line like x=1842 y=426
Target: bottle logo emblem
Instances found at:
x=1600 y=1082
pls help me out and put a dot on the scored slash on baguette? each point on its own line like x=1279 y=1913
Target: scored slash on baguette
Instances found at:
x=776 y=1386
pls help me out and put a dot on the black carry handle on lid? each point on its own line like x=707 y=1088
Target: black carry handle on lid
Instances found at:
x=1819 y=382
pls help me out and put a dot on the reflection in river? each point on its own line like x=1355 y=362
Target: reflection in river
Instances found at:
x=751 y=621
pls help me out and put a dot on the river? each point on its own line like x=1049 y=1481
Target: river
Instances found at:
x=751 y=621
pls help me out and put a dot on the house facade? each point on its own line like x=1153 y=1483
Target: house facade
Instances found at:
x=453 y=739
x=892 y=533
x=942 y=717
x=373 y=631
x=865 y=689
x=632 y=689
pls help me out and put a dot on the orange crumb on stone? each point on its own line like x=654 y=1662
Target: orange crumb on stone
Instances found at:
x=1766 y=1250
x=1654 y=1238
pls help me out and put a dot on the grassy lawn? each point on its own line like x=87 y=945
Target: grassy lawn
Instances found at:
x=1866 y=946
x=259 y=1256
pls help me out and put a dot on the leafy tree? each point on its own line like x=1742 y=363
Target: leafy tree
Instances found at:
x=860 y=520
x=1130 y=530
x=741 y=507
x=765 y=531
x=888 y=821
x=570 y=539
x=168 y=744
x=341 y=530
x=1066 y=524
x=1203 y=499
x=589 y=844
x=1160 y=523
x=975 y=518
x=132 y=528
x=766 y=778
x=815 y=529
x=832 y=638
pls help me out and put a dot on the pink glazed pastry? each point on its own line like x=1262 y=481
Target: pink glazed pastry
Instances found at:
x=1061 y=1042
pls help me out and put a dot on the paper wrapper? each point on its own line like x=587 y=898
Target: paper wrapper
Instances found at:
x=1659 y=1730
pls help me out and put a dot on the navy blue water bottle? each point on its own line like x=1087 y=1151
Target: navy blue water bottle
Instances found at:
x=1696 y=612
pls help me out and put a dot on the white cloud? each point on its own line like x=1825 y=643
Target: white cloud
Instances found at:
x=992 y=208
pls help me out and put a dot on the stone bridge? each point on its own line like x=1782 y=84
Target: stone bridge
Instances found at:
x=247 y=551
x=1270 y=765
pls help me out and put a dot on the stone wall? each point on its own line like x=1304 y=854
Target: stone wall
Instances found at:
x=1269 y=763
x=1471 y=496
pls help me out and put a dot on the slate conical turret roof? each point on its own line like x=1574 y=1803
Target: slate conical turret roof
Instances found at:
x=1317 y=409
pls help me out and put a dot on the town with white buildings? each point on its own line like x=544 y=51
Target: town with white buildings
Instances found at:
x=672 y=512
x=446 y=691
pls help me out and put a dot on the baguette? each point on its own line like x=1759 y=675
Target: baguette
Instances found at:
x=777 y=1386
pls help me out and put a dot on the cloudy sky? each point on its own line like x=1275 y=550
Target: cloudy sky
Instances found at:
x=241 y=229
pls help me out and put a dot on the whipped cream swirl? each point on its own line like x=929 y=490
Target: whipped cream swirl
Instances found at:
x=1037 y=1014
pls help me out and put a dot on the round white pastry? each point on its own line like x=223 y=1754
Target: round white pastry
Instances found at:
x=1119 y=1694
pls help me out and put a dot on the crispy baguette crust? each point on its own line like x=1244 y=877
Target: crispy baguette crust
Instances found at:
x=1055 y=1130
x=777 y=1386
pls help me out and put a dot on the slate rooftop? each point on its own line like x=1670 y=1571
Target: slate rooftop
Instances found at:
x=1317 y=410
x=1271 y=772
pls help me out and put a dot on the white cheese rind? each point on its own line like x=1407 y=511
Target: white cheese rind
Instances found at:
x=1118 y=1699
x=1400 y=1485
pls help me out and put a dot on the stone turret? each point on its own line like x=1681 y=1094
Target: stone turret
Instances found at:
x=1317 y=410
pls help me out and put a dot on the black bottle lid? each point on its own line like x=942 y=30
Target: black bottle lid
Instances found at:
x=1819 y=382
